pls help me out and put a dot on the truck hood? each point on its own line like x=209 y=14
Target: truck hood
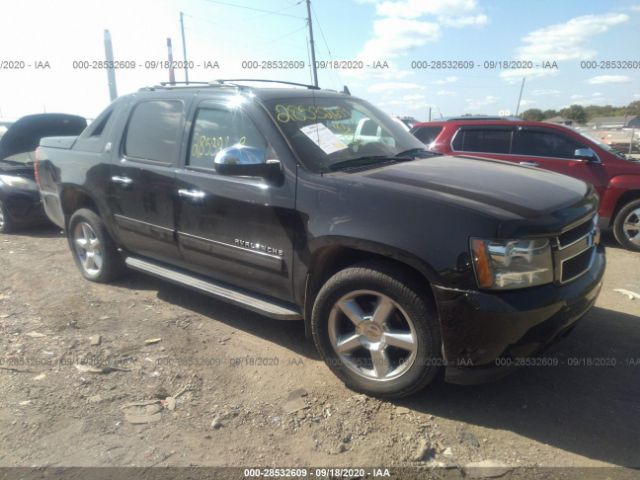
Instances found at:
x=498 y=188
x=24 y=135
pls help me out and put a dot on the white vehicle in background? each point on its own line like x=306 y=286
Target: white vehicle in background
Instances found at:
x=369 y=131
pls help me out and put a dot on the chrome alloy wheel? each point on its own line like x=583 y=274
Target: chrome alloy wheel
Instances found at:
x=88 y=248
x=631 y=226
x=372 y=335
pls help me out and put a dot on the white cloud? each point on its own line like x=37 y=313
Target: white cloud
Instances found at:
x=395 y=36
x=636 y=95
x=635 y=8
x=567 y=41
x=605 y=79
x=596 y=94
x=404 y=25
x=575 y=96
x=466 y=21
x=516 y=75
x=477 y=104
x=413 y=97
x=446 y=93
x=561 y=42
x=545 y=91
x=419 y=8
x=394 y=86
x=446 y=80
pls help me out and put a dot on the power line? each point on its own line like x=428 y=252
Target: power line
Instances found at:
x=270 y=12
x=261 y=40
x=326 y=44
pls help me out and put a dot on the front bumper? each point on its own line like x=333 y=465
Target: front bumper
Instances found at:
x=481 y=331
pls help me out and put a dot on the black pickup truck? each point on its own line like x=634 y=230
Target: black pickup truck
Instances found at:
x=301 y=203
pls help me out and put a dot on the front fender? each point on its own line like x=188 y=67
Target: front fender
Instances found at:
x=617 y=187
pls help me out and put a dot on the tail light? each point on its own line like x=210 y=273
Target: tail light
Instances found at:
x=36 y=164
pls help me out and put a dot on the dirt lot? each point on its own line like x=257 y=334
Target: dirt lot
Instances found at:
x=250 y=391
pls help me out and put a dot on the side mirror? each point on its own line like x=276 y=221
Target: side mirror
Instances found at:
x=586 y=154
x=246 y=161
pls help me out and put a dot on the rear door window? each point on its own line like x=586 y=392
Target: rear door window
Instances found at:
x=154 y=131
x=540 y=143
x=481 y=140
x=427 y=134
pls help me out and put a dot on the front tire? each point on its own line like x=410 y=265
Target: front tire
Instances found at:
x=626 y=226
x=377 y=330
x=92 y=248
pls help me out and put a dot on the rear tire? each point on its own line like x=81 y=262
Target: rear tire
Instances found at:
x=377 y=330
x=626 y=226
x=93 y=249
x=6 y=224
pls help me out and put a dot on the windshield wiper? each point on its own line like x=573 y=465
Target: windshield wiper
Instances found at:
x=413 y=152
x=404 y=156
x=362 y=161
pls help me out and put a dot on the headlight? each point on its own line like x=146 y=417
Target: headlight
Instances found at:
x=508 y=264
x=18 y=182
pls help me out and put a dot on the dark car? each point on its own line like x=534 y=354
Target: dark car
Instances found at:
x=399 y=261
x=20 y=203
x=554 y=147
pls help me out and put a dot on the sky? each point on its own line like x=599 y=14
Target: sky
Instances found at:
x=388 y=44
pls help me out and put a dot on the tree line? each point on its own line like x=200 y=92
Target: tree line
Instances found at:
x=582 y=114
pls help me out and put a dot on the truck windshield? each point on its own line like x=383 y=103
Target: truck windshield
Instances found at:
x=327 y=131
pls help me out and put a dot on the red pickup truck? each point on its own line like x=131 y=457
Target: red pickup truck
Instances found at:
x=552 y=147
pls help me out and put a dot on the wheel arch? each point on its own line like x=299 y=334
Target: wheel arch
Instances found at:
x=333 y=255
x=626 y=197
x=73 y=198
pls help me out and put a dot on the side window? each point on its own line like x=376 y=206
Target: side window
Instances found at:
x=543 y=144
x=98 y=125
x=154 y=131
x=216 y=129
x=483 y=140
x=427 y=134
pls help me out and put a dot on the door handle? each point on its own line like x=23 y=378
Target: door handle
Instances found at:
x=193 y=195
x=124 y=181
x=530 y=164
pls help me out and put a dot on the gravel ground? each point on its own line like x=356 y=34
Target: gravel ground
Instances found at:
x=145 y=373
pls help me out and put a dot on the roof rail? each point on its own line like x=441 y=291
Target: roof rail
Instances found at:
x=164 y=84
x=483 y=117
x=230 y=81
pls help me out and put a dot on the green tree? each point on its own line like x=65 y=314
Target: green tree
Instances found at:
x=550 y=114
x=533 y=115
x=633 y=108
x=577 y=113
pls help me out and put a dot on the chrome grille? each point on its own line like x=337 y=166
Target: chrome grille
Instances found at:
x=575 y=251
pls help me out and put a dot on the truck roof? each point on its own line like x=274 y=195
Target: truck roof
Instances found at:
x=235 y=86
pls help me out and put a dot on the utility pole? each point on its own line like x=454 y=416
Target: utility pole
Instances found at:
x=184 y=49
x=313 y=50
x=172 y=73
x=111 y=74
x=520 y=96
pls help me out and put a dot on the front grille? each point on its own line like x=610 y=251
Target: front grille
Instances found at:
x=576 y=266
x=575 y=234
x=575 y=250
